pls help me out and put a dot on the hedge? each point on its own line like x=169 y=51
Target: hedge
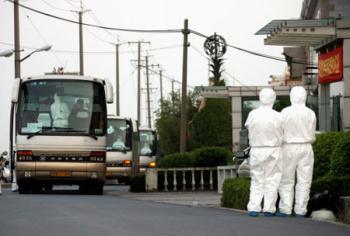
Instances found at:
x=176 y=160
x=340 y=158
x=201 y=157
x=323 y=148
x=337 y=186
x=236 y=193
x=211 y=156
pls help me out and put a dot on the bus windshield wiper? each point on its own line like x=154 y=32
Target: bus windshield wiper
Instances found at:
x=45 y=128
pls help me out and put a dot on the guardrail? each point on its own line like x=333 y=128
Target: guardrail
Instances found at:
x=182 y=179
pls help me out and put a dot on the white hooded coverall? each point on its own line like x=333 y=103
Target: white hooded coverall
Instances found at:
x=299 y=123
x=265 y=138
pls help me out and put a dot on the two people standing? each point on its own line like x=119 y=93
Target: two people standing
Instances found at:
x=280 y=148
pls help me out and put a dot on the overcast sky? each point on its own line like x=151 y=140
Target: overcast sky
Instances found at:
x=236 y=20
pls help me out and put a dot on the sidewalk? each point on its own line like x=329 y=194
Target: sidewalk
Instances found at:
x=205 y=198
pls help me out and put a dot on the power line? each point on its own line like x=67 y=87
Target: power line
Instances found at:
x=42 y=37
x=98 y=26
x=54 y=7
x=96 y=52
x=254 y=53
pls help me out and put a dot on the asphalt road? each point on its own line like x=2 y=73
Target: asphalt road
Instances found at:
x=66 y=212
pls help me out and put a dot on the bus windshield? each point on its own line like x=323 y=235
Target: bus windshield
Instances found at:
x=147 y=145
x=119 y=135
x=62 y=107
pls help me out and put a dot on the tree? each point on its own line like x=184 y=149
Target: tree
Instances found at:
x=168 y=121
x=213 y=126
x=216 y=70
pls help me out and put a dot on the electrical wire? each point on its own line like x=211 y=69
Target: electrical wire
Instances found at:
x=42 y=37
x=54 y=7
x=255 y=53
x=95 y=52
x=98 y=26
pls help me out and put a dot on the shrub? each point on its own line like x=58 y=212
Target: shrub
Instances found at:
x=176 y=160
x=340 y=158
x=323 y=148
x=236 y=193
x=211 y=156
x=336 y=185
x=138 y=183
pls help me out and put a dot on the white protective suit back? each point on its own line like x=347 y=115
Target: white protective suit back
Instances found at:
x=264 y=123
x=299 y=120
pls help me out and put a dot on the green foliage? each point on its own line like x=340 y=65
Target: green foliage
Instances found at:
x=138 y=183
x=236 y=193
x=340 y=158
x=211 y=156
x=168 y=121
x=202 y=157
x=323 y=148
x=176 y=160
x=280 y=103
x=216 y=70
x=212 y=126
x=336 y=185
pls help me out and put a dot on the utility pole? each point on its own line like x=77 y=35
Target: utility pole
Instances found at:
x=139 y=78
x=17 y=42
x=183 y=126
x=117 y=94
x=81 y=45
x=148 y=97
x=161 y=89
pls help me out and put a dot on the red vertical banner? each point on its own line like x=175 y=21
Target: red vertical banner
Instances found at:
x=330 y=66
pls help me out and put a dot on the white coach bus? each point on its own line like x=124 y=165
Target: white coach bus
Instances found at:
x=59 y=123
x=122 y=142
x=147 y=148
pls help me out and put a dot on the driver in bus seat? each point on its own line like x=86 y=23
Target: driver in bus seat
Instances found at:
x=146 y=149
x=59 y=112
x=78 y=116
x=118 y=144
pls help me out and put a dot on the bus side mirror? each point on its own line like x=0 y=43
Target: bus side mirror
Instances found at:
x=108 y=91
x=15 y=90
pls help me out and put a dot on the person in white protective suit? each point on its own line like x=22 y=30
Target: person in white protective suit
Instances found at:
x=59 y=112
x=265 y=138
x=299 y=123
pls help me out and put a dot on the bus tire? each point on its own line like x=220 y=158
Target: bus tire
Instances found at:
x=83 y=189
x=23 y=188
x=97 y=189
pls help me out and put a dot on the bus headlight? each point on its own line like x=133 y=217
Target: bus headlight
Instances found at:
x=152 y=164
x=127 y=163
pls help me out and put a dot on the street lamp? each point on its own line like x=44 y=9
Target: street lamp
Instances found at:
x=8 y=53
x=45 y=48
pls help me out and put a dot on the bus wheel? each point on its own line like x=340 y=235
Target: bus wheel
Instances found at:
x=48 y=187
x=97 y=189
x=37 y=188
x=23 y=188
x=83 y=189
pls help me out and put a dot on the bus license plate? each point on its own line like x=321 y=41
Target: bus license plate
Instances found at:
x=61 y=174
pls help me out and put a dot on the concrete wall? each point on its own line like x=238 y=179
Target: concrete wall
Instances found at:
x=346 y=87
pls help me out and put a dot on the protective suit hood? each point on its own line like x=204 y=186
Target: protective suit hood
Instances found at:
x=298 y=96
x=267 y=97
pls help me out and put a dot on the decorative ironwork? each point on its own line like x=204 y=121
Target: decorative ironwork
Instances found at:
x=215 y=46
